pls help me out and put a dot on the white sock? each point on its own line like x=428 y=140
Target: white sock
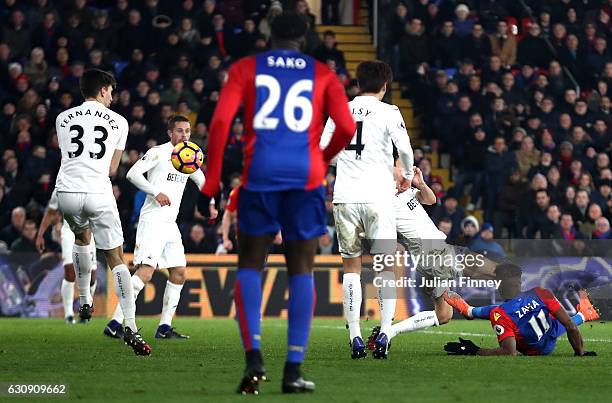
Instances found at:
x=351 y=301
x=67 y=292
x=172 y=294
x=421 y=320
x=81 y=256
x=137 y=286
x=92 y=289
x=386 y=300
x=125 y=294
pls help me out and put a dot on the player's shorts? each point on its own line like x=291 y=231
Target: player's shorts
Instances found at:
x=369 y=226
x=96 y=211
x=300 y=214
x=67 y=242
x=159 y=244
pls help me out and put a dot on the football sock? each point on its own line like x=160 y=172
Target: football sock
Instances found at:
x=137 y=286
x=67 y=291
x=351 y=301
x=300 y=310
x=421 y=320
x=578 y=319
x=386 y=300
x=481 y=312
x=172 y=295
x=81 y=256
x=125 y=293
x=247 y=296
x=92 y=289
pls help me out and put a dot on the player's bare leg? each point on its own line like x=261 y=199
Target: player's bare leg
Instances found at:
x=125 y=293
x=67 y=293
x=299 y=255
x=351 y=303
x=247 y=296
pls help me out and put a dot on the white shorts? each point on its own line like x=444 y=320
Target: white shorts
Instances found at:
x=370 y=222
x=159 y=245
x=67 y=241
x=96 y=211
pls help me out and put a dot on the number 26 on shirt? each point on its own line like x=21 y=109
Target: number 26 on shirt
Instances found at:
x=293 y=100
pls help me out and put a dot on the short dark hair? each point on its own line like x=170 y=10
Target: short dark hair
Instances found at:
x=329 y=32
x=174 y=119
x=507 y=270
x=95 y=79
x=372 y=75
x=288 y=26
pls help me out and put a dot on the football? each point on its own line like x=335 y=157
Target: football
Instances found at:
x=187 y=157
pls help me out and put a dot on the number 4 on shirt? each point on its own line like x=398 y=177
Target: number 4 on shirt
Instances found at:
x=358 y=146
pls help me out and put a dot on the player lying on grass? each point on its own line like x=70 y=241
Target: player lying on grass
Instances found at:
x=419 y=235
x=158 y=239
x=528 y=322
x=52 y=216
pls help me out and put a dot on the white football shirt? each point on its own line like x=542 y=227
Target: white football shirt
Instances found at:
x=364 y=171
x=409 y=213
x=162 y=177
x=88 y=136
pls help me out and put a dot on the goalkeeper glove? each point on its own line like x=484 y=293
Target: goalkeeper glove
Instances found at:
x=464 y=347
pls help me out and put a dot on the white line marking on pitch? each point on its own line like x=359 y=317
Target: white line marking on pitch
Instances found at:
x=439 y=332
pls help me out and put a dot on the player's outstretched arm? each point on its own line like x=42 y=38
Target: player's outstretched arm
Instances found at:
x=338 y=110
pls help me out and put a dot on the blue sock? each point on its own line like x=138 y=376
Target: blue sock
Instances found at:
x=247 y=295
x=577 y=319
x=301 y=305
x=482 y=312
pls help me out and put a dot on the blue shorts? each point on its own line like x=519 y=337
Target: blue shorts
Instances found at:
x=299 y=214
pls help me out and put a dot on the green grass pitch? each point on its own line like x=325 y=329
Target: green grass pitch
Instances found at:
x=207 y=367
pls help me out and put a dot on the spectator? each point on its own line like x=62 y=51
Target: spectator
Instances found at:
x=602 y=229
x=507 y=205
x=499 y=162
x=414 y=50
x=463 y=25
x=25 y=242
x=452 y=211
x=13 y=230
x=198 y=241
x=476 y=46
x=534 y=50
x=579 y=209
x=18 y=35
x=550 y=228
x=328 y=50
x=537 y=220
x=594 y=213
x=469 y=230
x=503 y=44
x=527 y=157
x=485 y=244
x=566 y=229
x=446 y=225
x=446 y=47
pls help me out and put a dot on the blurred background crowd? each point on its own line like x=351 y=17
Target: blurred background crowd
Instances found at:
x=513 y=97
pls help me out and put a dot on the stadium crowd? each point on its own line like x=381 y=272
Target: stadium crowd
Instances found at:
x=491 y=91
x=517 y=94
